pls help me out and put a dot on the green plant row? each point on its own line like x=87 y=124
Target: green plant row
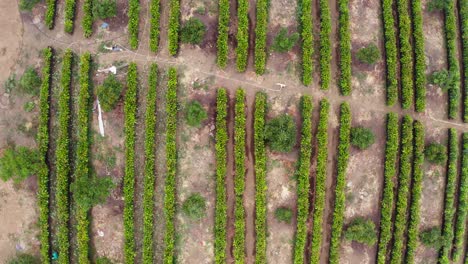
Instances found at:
x=242 y=48
x=463 y=13
x=416 y=189
x=87 y=22
x=452 y=59
x=155 y=12
x=49 y=16
x=419 y=56
x=239 y=180
x=390 y=52
x=306 y=27
x=303 y=185
x=171 y=166
x=221 y=157
x=344 y=47
x=404 y=180
x=174 y=24
x=450 y=189
x=223 y=31
x=43 y=146
x=340 y=193
x=133 y=22
x=325 y=44
x=391 y=152
x=130 y=108
x=462 y=211
x=261 y=36
x=63 y=160
x=321 y=177
x=83 y=153
x=406 y=54
x=260 y=177
x=69 y=23
x=150 y=166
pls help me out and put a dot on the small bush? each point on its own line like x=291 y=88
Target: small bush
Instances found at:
x=436 y=5
x=29 y=106
x=109 y=93
x=284 y=42
x=193 y=31
x=86 y=197
x=103 y=260
x=436 y=153
x=369 y=54
x=19 y=163
x=440 y=78
x=431 y=238
x=362 y=231
x=362 y=137
x=283 y=214
x=280 y=133
x=28 y=5
x=103 y=9
x=10 y=83
x=195 y=114
x=24 y=259
x=30 y=82
x=194 y=207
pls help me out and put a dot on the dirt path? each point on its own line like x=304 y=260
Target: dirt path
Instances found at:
x=230 y=173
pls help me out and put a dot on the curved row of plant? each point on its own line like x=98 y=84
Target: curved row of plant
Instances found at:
x=171 y=166
x=344 y=47
x=133 y=22
x=260 y=177
x=130 y=108
x=69 y=23
x=43 y=147
x=340 y=194
x=450 y=189
x=391 y=152
x=242 y=48
x=239 y=180
x=305 y=22
x=223 y=31
x=325 y=44
x=462 y=211
x=452 y=59
x=321 y=177
x=155 y=12
x=419 y=56
x=303 y=185
x=87 y=22
x=406 y=54
x=150 y=166
x=174 y=24
x=404 y=180
x=463 y=13
x=390 y=52
x=63 y=160
x=416 y=189
x=49 y=17
x=261 y=35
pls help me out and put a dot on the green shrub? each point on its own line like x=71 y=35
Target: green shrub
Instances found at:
x=103 y=9
x=436 y=5
x=436 y=153
x=174 y=25
x=193 y=31
x=109 y=93
x=223 y=32
x=261 y=29
x=325 y=44
x=24 y=259
x=154 y=24
x=27 y=5
x=194 y=207
x=49 y=17
x=19 y=163
x=440 y=78
x=86 y=197
x=103 y=260
x=463 y=16
x=242 y=49
x=283 y=214
x=195 y=114
x=431 y=238
x=344 y=56
x=362 y=231
x=10 y=83
x=280 y=133
x=306 y=30
x=369 y=54
x=30 y=81
x=133 y=22
x=362 y=137
x=70 y=6
x=29 y=106
x=284 y=42
x=391 y=57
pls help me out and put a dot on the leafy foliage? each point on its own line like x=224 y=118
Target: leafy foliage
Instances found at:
x=242 y=34
x=284 y=42
x=109 y=93
x=436 y=5
x=362 y=231
x=174 y=25
x=193 y=31
x=133 y=22
x=261 y=36
x=440 y=78
x=406 y=54
x=30 y=81
x=362 y=137
x=194 y=206
x=283 y=214
x=431 y=238
x=155 y=11
x=195 y=114
x=306 y=27
x=28 y=5
x=87 y=22
x=24 y=259
x=223 y=33
x=463 y=20
x=280 y=133
x=86 y=197
x=19 y=163
x=436 y=153
x=344 y=57
x=70 y=6
x=49 y=17
x=325 y=44
x=369 y=54
x=391 y=57
x=103 y=9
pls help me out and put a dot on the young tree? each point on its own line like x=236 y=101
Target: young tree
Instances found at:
x=30 y=82
x=194 y=206
x=369 y=54
x=362 y=137
x=362 y=231
x=103 y=9
x=193 y=31
x=195 y=114
x=436 y=153
x=109 y=93
x=280 y=133
x=19 y=163
x=284 y=42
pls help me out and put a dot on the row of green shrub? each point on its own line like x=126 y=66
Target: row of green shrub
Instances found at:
x=390 y=52
x=419 y=56
x=462 y=210
x=303 y=185
x=155 y=14
x=321 y=178
x=261 y=36
x=239 y=180
x=325 y=44
x=69 y=23
x=223 y=31
x=87 y=23
x=406 y=54
x=306 y=27
x=463 y=13
x=171 y=166
x=174 y=24
x=344 y=47
x=150 y=166
x=43 y=147
x=404 y=180
x=260 y=177
x=242 y=49
x=130 y=108
x=63 y=160
x=450 y=190
x=391 y=152
x=340 y=192
x=133 y=22
x=82 y=170
x=49 y=16
x=416 y=189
